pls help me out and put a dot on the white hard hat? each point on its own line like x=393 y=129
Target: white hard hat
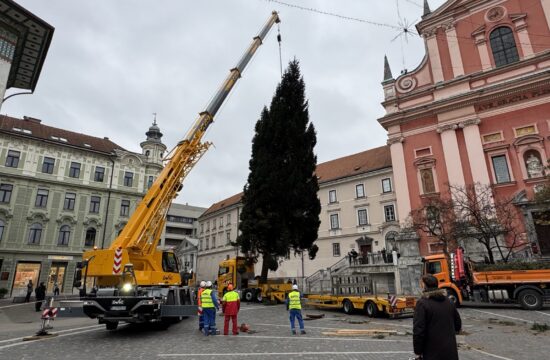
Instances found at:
x=294 y=287
x=208 y=283
x=203 y=284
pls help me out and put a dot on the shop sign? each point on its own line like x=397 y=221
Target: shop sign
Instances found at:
x=60 y=257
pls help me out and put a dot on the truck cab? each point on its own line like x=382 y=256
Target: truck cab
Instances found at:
x=438 y=266
x=237 y=271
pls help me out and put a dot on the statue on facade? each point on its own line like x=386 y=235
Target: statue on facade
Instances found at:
x=534 y=166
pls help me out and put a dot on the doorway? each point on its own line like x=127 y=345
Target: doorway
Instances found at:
x=57 y=275
x=542 y=228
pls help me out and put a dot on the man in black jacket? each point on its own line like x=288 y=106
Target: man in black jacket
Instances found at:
x=40 y=293
x=436 y=322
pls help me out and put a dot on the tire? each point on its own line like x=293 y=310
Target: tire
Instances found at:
x=111 y=325
x=453 y=298
x=247 y=295
x=530 y=299
x=371 y=309
x=347 y=306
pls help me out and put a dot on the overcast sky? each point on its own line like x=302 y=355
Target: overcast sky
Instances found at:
x=111 y=64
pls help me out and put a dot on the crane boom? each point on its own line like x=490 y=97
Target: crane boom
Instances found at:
x=142 y=232
x=133 y=280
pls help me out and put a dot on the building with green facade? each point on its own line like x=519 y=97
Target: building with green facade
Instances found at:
x=61 y=193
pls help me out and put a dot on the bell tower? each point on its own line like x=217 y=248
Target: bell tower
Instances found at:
x=153 y=148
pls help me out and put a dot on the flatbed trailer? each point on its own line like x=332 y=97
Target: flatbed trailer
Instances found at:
x=370 y=305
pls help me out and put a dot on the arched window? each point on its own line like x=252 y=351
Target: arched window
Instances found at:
x=503 y=45
x=2 y=225
x=35 y=233
x=90 y=237
x=64 y=235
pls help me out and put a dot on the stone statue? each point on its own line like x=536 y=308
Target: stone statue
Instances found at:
x=534 y=166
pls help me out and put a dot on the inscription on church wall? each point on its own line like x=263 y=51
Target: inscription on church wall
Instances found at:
x=512 y=99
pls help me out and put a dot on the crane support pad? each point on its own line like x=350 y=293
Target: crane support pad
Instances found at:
x=71 y=312
x=178 y=310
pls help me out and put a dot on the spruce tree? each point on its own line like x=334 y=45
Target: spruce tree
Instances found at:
x=280 y=204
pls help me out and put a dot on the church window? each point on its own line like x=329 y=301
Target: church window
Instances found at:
x=503 y=46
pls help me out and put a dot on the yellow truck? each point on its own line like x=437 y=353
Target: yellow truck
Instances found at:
x=239 y=271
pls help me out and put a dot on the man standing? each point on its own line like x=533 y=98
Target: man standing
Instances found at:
x=435 y=324
x=199 y=302
x=209 y=304
x=40 y=293
x=231 y=304
x=29 y=291
x=294 y=304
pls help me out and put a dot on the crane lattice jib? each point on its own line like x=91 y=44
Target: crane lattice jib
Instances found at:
x=142 y=232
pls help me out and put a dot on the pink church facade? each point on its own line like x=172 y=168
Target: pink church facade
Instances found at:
x=476 y=110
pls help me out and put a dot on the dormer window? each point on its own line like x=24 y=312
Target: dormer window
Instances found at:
x=147 y=153
x=503 y=46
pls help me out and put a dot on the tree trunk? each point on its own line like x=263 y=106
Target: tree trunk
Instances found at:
x=265 y=268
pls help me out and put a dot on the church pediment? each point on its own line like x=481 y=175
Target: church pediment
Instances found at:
x=528 y=139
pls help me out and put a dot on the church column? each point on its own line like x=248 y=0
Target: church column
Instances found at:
x=400 y=178
x=546 y=9
x=433 y=53
x=451 y=153
x=474 y=148
x=454 y=50
x=483 y=50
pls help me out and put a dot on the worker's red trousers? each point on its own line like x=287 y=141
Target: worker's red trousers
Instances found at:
x=226 y=324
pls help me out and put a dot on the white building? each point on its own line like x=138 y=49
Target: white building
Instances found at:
x=358 y=211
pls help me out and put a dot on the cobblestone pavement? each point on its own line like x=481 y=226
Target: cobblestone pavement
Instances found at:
x=490 y=333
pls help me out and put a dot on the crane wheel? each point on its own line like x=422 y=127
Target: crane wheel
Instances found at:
x=348 y=306
x=371 y=309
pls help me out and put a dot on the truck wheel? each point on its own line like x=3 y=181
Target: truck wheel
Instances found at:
x=371 y=309
x=111 y=325
x=453 y=298
x=247 y=295
x=530 y=299
x=348 y=306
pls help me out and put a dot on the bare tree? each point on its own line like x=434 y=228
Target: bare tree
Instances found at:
x=437 y=219
x=493 y=221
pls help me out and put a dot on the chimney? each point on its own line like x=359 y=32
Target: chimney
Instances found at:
x=31 y=119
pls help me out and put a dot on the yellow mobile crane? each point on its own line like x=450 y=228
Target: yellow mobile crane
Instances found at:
x=135 y=281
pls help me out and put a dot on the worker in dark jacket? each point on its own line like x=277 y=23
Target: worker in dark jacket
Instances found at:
x=436 y=322
x=40 y=293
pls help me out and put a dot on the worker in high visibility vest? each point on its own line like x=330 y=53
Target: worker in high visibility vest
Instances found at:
x=209 y=304
x=202 y=285
x=231 y=304
x=294 y=304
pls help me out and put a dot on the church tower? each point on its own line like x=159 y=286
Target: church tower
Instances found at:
x=153 y=148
